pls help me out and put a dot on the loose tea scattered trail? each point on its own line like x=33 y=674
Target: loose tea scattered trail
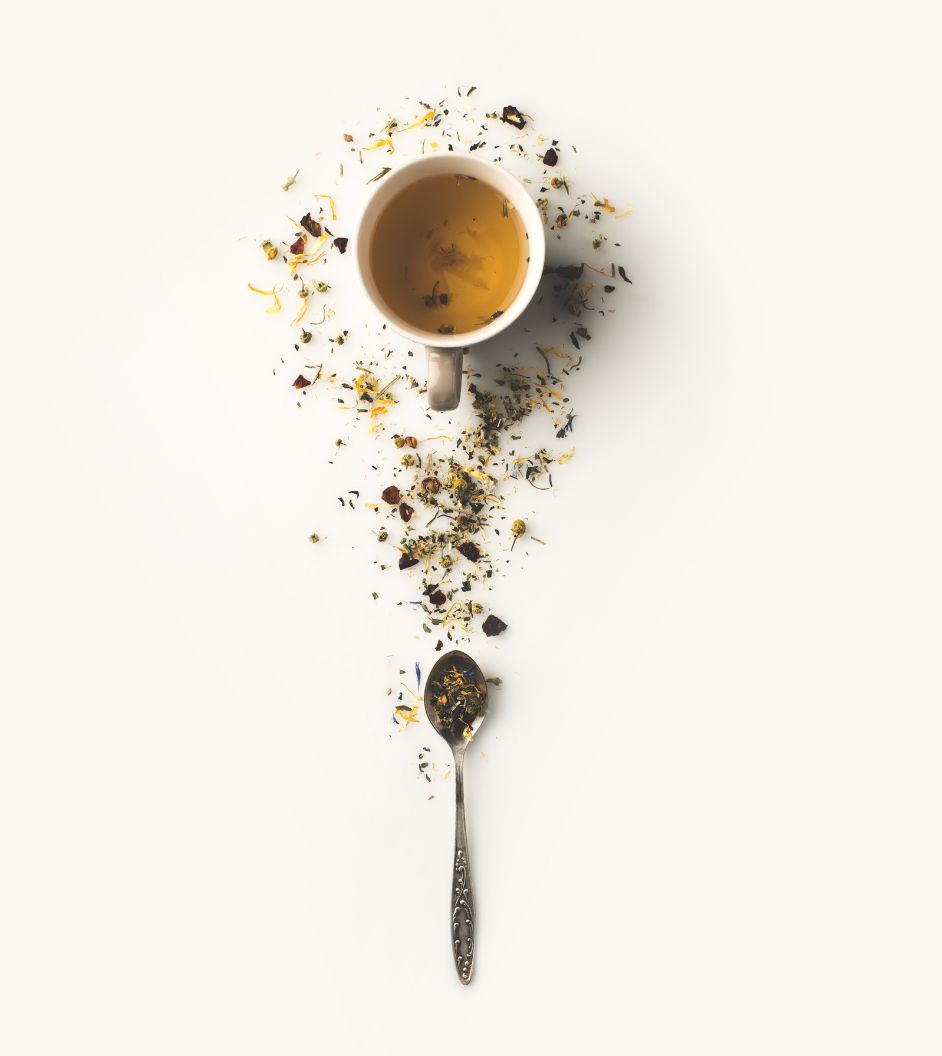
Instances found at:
x=445 y=501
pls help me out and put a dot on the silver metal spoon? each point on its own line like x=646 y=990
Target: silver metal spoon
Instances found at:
x=454 y=726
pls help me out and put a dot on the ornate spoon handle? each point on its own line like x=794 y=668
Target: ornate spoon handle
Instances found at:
x=462 y=904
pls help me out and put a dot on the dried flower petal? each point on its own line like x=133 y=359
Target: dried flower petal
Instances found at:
x=406 y=511
x=298 y=247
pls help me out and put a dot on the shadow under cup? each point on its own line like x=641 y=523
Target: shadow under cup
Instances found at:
x=445 y=350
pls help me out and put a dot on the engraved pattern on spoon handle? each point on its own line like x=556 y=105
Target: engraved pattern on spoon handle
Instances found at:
x=462 y=904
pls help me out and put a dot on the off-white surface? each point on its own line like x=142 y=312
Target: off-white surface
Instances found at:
x=708 y=817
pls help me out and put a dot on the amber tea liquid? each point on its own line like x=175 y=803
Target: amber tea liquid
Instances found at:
x=449 y=254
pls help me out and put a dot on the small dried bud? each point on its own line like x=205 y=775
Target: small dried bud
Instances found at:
x=476 y=607
x=269 y=250
x=382 y=535
x=314 y=537
x=408 y=460
x=518 y=528
x=431 y=485
x=305 y=336
x=446 y=561
x=399 y=441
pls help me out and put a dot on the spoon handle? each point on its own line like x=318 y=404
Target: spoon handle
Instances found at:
x=462 y=904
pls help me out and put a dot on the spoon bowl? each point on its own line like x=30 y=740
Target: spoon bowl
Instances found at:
x=456 y=675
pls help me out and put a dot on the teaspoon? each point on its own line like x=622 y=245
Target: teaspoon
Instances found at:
x=456 y=703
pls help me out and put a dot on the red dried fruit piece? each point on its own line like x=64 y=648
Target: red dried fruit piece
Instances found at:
x=512 y=116
x=311 y=225
x=392 y=495
x=407 y=562
x=492 y=625
x=438 y=598
x=341 y=244
x=550 y=157
x=431 y=485
x=300 y=382
x=405 y=511
x=298 y=247
x=347 y=138
x=470 y=551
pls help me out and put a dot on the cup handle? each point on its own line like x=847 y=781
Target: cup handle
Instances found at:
x=444 y=377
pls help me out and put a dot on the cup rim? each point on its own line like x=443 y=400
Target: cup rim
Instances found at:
x=536 y=237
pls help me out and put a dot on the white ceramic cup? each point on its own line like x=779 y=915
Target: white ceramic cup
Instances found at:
x=444 y=352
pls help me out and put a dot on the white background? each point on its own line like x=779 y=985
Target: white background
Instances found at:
x=707 y=819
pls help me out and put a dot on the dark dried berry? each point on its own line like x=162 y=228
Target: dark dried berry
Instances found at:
x=470 y=551
x=492 y=625
x=407 y=561
x=298 y=247
x=438 y=598
x=550 y=157
x=311 y=225
x=300 y=382
x=438 y=645
x=341 y=244
x=512 y=116
x=392 y=495
x=431 y=485
x=405 y=511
